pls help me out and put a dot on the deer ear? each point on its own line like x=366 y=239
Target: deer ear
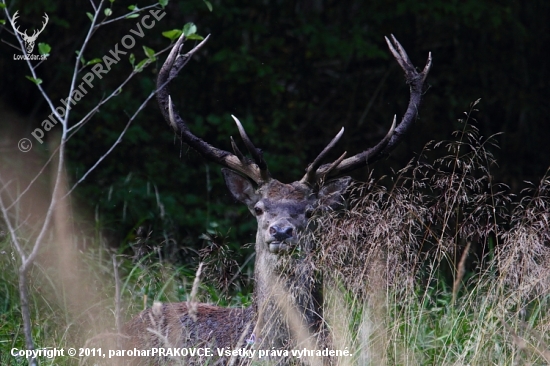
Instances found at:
x=331 y=192
x=240 y=187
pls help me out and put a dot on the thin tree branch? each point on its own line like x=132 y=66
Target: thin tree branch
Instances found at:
x=112 y=95
x=118 y=140
x=93 y=5
x=76 y=69
x=126 y=15
x=88 y=115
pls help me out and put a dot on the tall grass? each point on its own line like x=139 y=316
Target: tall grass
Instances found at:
x=443 y=267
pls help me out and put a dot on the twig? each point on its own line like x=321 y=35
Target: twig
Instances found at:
x=118 y=140
x=75 y=70
x=112 y=95
x=460 y=272
x=126 y=15
x=88 y=115
x=93 y=5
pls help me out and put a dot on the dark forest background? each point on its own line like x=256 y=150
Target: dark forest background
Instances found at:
x=294 y=72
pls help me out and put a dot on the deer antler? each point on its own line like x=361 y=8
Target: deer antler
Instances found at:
x=416 y=81
x=255 y=170
x=13 y=19
x=43 y=25
x=35 y=33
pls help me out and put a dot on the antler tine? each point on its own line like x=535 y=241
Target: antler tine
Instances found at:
x=255 y=152
x=44 y=23
x=358 y=160
x=399 y=53
x=396 y=133
x=175 y=62
x=311 y=172
x=171 y=115
x=332 y=166
x=382 y=145
x=172 y=66
x=404 y=61
x=13 y=19
x=236 y=150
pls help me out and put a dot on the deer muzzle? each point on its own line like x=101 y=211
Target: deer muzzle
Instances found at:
x=282 y=237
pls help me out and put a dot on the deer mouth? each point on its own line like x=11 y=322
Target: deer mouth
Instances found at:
x=279 y=247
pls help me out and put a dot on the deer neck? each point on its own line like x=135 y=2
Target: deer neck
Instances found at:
x=286 y=296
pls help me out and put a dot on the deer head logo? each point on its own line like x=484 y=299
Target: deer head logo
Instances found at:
x=29 y=40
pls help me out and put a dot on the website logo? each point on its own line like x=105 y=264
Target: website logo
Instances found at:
x=29 y=40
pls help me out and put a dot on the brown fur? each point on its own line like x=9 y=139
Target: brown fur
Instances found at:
x=176 y=325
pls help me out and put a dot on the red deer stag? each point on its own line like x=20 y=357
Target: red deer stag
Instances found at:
x=287 y=301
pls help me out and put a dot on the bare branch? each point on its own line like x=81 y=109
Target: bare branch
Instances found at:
x=93 y=5
x=118 y=140
x=137 y=11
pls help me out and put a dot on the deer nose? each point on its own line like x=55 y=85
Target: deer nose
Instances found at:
x=282 y=232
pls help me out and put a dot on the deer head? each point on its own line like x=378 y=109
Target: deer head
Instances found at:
x=281 y=209
x=29 y=40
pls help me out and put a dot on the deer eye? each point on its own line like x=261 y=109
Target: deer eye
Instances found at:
x=258 y=211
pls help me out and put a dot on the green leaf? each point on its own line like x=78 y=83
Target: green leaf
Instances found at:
x=44 y=48
x=36 y=81
x=195 y=37
x=90 y=16
x=133 y=7
x=108 y=12
x=172 y=34
x=112 y=1
x=93 y=61
x=2 y=5
x=80 y=57
x=149 y=52
x=189 y=29
x=131 y=16
x=208 y=4
x=141 y=65
x=132 y=59
x=2 y=21
x=163 y=3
